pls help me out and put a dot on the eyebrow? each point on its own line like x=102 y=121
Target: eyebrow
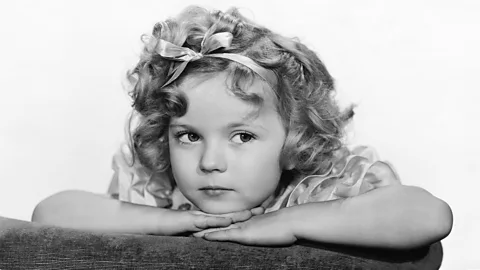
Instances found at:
x=185 y=126
x=229 y=126
x=243 y=124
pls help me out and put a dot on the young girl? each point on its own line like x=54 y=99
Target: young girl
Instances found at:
x=235 y=136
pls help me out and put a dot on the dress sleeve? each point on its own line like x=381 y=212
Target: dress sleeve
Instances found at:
x=132 y=182
x=354 y=172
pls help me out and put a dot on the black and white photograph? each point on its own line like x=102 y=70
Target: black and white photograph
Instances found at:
x=239 y=134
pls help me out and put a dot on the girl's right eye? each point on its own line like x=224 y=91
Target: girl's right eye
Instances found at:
x=187 y=137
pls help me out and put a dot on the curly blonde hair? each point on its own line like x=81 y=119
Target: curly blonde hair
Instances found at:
x=313 y=122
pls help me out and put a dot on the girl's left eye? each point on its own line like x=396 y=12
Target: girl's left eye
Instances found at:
x=242 y=138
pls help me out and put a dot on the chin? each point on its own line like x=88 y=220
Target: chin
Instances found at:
x=221 y=208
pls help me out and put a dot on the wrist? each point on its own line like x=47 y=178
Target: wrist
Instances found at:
x=149 y=220
x=305 y=220
x=167 y=221
x=289 y=217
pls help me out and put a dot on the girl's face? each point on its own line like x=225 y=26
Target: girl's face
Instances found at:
x=225 y=151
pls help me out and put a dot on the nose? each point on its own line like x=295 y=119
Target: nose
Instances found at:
x=213 y=158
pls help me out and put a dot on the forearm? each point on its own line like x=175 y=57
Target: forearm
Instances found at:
x=94 y=212
x=388 y=217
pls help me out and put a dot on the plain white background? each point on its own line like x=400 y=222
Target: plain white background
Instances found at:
x=411 y=66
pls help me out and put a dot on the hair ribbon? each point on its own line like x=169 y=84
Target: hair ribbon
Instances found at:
x=209 y=44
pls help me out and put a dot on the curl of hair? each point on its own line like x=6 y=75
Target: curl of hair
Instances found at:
x=304 y=94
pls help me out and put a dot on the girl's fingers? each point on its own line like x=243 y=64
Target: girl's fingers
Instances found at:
x=199 y=234
x=204 y=222
x=258 y=211
x=240 y=216
x=235 y=216
x=224 y=235
x=202 y=233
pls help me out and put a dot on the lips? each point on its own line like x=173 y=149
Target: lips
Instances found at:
x=215 y=192
x=215 y=188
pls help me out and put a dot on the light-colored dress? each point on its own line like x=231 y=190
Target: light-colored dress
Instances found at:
x=354 y=172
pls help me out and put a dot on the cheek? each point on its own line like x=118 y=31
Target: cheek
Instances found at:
x=262 y=165
x=183 y=164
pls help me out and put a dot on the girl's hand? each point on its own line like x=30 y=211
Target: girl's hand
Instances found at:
x=264 y=230
x=181 y=222
x=237 y=216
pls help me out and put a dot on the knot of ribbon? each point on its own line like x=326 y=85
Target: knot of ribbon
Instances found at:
x=209 y=44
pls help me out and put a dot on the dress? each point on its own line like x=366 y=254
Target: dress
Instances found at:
x=354 y=171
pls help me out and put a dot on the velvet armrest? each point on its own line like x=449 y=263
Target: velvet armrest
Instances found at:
x=28 y=245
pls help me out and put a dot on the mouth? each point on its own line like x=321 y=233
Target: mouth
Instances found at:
x=214 y=188
x=215 y=191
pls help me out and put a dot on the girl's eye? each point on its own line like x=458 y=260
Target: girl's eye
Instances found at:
x=242 y=138
x=188 y=137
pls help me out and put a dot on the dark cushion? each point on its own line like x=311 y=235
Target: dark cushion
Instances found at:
x=27 y=245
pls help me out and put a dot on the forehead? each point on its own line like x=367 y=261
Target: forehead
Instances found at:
x=215 y=94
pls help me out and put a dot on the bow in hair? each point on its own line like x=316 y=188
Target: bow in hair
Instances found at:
x=209 y=44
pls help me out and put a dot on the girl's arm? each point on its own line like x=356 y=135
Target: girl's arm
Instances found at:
x=388 y=217
x=374 y=210
x=95 y=212
x=399 y=217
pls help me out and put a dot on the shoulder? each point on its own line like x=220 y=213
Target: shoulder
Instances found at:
x=132 y=182
x=353 y=172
